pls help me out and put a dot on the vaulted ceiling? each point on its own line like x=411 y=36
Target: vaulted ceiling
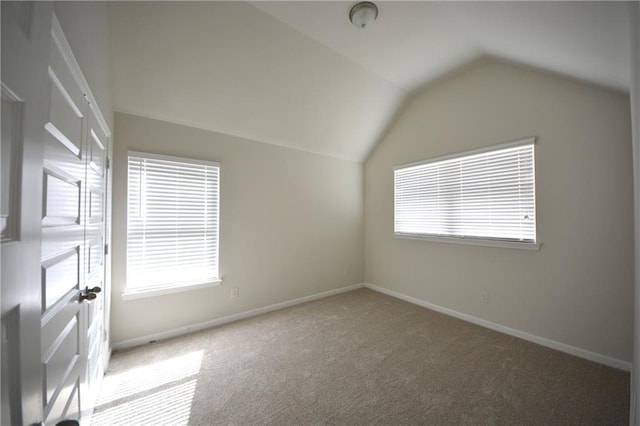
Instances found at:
x=298 y=74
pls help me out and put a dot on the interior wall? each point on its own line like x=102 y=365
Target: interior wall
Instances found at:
x=578 y=289
x=291 y=225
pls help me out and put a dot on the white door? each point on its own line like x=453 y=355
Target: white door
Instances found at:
x=73 y=239
x=25 y=38
x=67 y=193
x=63 y=241
x=97 y=148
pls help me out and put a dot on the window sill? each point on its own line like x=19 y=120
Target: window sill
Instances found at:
x=472 y=241
x=141 y=294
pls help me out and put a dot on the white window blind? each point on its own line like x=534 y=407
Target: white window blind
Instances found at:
x=172 y=222
x=484 y=195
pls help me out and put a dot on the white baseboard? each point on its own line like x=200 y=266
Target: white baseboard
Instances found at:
x=562 y=347
x=230 y=318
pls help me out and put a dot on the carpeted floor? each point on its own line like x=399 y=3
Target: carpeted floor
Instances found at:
x=357 y=358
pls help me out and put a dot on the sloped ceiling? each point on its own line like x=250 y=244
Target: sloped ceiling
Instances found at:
x=413 y=42
x=298 y=74
x=231 y=68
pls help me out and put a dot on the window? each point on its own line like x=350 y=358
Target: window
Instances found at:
x=172 y=223
x=485 y=196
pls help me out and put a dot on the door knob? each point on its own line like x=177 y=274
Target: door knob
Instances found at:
x=89 y=293
x=87 y=296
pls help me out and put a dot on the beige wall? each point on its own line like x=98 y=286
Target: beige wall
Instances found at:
x=291 y=226
x=578 y=288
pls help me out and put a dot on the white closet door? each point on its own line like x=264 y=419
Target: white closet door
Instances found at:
x=63 y=240
x=53 y=223
x=96 y=204
x=26 y=28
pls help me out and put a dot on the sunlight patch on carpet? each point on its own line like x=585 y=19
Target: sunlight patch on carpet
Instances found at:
x=171 y=406
x=154 y=394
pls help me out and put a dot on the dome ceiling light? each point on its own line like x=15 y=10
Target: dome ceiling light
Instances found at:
x=363 y=14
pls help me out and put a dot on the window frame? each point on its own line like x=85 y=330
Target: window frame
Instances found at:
x=471 y=240
x=133 y=293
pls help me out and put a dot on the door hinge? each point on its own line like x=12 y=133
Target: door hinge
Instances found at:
x=108 y=163
x=106 y=249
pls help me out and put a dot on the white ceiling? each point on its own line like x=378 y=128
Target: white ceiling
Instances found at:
x=411 y=43
x=298 y=74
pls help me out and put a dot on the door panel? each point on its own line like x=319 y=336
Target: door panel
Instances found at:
x=66 y=119
x=67 y=403
x=96 y=205
x=97 y=151
x=62 y=199
x=60 y=358
x=11 y=157
x=68 y=104
x=96 y=256
x=60 y=275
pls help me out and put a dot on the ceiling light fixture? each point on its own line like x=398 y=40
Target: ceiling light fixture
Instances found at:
x=362 y=14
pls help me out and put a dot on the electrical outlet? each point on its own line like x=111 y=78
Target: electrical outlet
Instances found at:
x=485 y=296
x=235 y=292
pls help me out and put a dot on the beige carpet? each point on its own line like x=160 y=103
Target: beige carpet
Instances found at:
x=357 y=358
